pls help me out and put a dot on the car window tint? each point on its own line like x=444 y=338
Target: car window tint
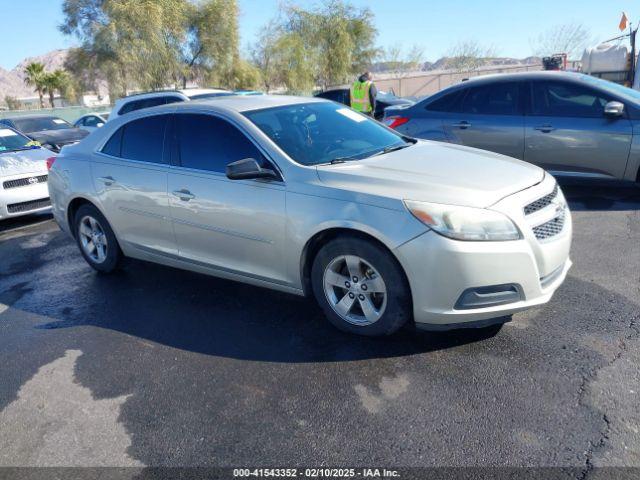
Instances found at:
x=210 y=143
x=91 y=121
x=143 y=139
x=447 y=103
x=564 y=99
x=148 y=103
x=494 y=99
x=112 y=147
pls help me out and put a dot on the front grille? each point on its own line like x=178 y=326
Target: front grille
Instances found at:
x=24 y=182
x=551 y=228
x=28 y=206
x=541 y=202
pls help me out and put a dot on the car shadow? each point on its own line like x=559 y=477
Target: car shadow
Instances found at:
x=596 y=195
x=14 y=223
x=202 y=314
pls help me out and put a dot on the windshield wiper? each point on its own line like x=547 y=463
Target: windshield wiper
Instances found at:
x=392 y=148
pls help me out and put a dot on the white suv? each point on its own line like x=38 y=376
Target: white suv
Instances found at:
x=139 y=101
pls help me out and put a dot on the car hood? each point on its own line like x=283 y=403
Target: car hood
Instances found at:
x=59 y=137
x=24 y=161
x=435 y=172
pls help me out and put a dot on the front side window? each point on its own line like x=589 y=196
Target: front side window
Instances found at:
x=565 y=99
x=91 y=121
x=141 y=140
x=205 y=142
x=321 y=132
x=494 y=99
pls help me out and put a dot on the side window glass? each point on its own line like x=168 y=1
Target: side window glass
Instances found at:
x=495 y=99
x=447 y=103
x=564 y=99
x=90 y=121
x=143 y=139
x=210 y=143
x=112 y=147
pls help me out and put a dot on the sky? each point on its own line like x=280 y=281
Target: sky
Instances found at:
x=29 y=27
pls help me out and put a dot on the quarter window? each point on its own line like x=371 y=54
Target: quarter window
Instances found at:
x=209 y=143
x=564 y=99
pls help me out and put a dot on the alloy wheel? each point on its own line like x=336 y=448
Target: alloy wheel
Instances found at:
x=93 y=239
x=355 y=290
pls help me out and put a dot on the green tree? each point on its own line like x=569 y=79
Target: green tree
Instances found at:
x=35 y=77
x=58 y=81
x=12 y=102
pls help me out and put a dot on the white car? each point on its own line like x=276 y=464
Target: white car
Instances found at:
x=139 y=101
x=92 y=121
x=23 y=175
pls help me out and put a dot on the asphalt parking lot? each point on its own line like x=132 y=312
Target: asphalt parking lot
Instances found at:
x=154 y=366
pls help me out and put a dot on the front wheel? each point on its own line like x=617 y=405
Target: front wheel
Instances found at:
x=361 y=287
x=96 y=239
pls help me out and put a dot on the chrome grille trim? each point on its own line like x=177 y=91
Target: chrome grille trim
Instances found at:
x=24 y=182
x=541 y=202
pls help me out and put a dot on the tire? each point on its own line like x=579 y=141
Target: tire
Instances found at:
x=340 y=295
x=106 y=255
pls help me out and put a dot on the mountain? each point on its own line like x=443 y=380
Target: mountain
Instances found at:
x=12 y=81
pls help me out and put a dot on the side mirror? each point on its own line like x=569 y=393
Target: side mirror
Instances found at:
x=248 y=169
x=99 y=124
x=614 y=109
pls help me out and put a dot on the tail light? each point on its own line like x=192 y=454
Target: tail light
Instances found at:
x=395 y=121
x=50 y=162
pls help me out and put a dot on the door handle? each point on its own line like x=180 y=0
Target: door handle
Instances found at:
x=545 y=128
x=462 y=125
x=108 y=181
x=184 y=195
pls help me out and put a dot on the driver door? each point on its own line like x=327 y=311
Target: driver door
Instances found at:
x=567 y=131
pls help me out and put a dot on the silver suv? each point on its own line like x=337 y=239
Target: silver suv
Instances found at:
x=308 y=197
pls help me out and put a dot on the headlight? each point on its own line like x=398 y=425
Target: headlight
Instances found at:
x=464 y=223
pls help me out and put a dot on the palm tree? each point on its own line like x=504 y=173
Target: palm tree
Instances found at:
x=35 y=76
x=55 y=81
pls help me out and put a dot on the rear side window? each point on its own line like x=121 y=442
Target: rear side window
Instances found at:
x=564 y=99
x=141 y=140
x=448 y=103
x=148 y=103
x=209 y=143
x=494 y=99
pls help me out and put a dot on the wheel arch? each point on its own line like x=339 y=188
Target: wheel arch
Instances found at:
x=321 y=238
x=73 y=207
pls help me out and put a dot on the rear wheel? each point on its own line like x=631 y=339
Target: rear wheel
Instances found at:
x=361 y=287
x=96 y=239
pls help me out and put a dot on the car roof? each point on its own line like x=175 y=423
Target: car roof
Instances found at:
x=538 y=75
x=245 y=103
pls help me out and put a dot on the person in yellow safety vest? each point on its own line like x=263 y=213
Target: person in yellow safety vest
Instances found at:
x=363 y=94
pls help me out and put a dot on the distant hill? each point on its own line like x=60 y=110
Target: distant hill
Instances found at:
x=12 y=81
x=441 y=64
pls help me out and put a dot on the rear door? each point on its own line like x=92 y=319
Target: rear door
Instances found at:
x=568 y=132
x=236 y=226
x=489 y=117
x=130 y=178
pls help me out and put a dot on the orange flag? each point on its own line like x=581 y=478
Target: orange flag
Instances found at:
x=624 y=22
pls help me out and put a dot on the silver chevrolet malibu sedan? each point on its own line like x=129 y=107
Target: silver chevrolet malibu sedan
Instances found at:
x=309 y=197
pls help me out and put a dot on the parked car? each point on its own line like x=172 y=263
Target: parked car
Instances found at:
x=568 y=123
x=51 y=132
x=383 y=100
x=139 y=101
x=92 y=121
x=307 y=196
x=248 y=92
x=23 y=175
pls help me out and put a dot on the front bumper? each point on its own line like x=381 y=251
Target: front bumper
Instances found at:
x=441 y=271
x=23 y=200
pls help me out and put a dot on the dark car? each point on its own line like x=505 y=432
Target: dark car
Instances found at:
x=568 y=123
x=51 y=132
x=383 y=100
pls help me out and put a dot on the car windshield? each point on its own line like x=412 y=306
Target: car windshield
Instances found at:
x=11 y=141
x=614 y=88
x=322 y=132
x=39 y=124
